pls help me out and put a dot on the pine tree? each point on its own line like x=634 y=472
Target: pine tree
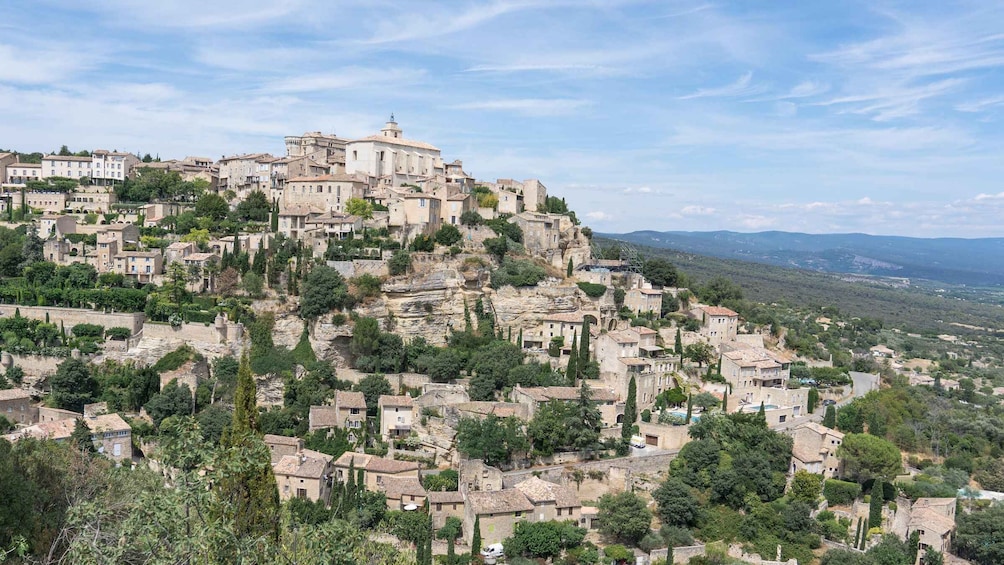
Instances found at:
x=247 y=491
x=630 y=411
x=476 y=540
x=830 y=417
x=678 y=346
x=875 y=506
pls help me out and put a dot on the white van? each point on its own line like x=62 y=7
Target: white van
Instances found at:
x=638 y=442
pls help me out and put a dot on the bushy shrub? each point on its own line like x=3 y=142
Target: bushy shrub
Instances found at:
x=592 y=290
x=517 y=273
x=399 y=263
x=88 y=330
x=840 y=492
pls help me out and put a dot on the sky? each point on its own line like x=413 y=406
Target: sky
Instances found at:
x=822 y=117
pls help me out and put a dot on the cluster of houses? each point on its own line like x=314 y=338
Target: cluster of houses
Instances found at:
x=414 y=190
x=111 y=435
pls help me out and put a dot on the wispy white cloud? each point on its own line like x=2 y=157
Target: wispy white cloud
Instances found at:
x=527 y=106
x=743 y=86
x=346 y=78
x=598 y=216
x=695 y=210
x=981 y=104
x=888 y=101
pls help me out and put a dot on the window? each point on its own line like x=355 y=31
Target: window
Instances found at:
x=301 y=493
x=439 y=507
x=518 y=513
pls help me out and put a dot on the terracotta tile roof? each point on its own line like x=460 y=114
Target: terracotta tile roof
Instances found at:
x=634 y=361
x=500 y=409
x=623 y=337
x=503 y=501
x=642 y=330
x=66 y=158
x=537 y=491
x=391 y=466
x=349 y=399
x=718 y=311
x=445 y=497
x=394 y=487
x=321 y=417
x=756 y=356
x=931 y=521
x=397 y=141
x=806 y=454
x=393 y=400
x=820 y=429
x=14 y=394
x=301 y=465
x=107 y=423
x=271 y=439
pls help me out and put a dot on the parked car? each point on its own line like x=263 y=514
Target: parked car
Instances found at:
x=493 y=552
x=829 y=402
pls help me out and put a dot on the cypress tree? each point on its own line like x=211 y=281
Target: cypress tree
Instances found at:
x=678 y=345
x=81 y=437
x=762 y=412
x=509 y=336
x=875 y=506
x=572 y=371
x=725 y=400
x=274 y=219
x=247 y=488
x=519 y=342
x=690 y=406
x=630 y=411
x=568 y=272
x=830 y=417
x=476 y=540
x=584 y=345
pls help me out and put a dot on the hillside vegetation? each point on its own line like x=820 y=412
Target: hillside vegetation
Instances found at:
x=912 y=309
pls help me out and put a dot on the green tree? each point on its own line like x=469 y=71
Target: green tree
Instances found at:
x=476 y=537
x=806 y=486
x=73 y=385
x=568 y=271
x=399 y=263
x=979 y=537
x=933 y=557
x=373 y=387
x=492 y=439
x=830 y=417
x=244 y=470
x=359 y=207
x=699 y=353
x=324 y=289
x=254 y=208
x=624 y=517
x=660 y=272
x=676 y=504
x=584 y=346
x=868 y=457
x=678 y=344
x=719 y=290
x=630 y=411
x=253 y=284
x=448 y=235
x=875 y=506
x=81 y=437
x=211 y=205
x=813 y=400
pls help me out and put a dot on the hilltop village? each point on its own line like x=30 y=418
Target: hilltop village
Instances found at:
x=450 y=365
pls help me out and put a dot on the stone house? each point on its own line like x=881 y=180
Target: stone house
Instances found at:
x=934 y=520
x=718 y=323
x=177 y=251
x=56 y=225
x=642 y=300
x=348 y=412
x=293 y=220
x=21 y=173
x=532 y=500
x=281 y=446
x=396 y=415
x=16 y=406
x=304 y=474
x=534 y=397
x=111 y=435
x=375 y=469
x=244 y=174
x=445 y=504
x=417 y=211
x=403 y=491
x=815 y=450
x=633 y=352
x=140 y=265
x=565 y=325
x=455 y=205
x=328 y=193
x=755 y=367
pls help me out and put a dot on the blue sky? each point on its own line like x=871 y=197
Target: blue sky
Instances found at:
x=872 y=117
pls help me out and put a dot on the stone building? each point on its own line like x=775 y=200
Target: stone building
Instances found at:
x=16 y=406
x=390 y=159
x=815 y=450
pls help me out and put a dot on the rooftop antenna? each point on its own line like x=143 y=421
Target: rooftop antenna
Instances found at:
x=392 y=116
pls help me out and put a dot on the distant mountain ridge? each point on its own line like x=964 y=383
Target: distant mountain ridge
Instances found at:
x=973 y=262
